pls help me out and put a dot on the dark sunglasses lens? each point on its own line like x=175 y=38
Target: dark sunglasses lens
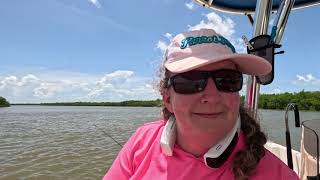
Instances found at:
x=228 y=80
x=188 y=84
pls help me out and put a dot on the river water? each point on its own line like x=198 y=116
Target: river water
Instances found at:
x=65 y=142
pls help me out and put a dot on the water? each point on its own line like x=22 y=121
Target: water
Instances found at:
x=44 y=142
x=57 y=142
x=273 y=124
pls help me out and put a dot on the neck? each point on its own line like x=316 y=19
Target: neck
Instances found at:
x=190 y=143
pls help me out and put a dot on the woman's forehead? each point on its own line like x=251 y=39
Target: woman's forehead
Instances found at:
x=227 y=64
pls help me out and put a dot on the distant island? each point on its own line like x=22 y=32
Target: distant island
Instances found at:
x=133 y=103
x=306 y=101
x=4 y=102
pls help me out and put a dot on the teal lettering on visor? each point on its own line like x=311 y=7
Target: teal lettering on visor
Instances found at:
x=191 y=41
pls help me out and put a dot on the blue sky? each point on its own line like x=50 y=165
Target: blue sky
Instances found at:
x=103 y=50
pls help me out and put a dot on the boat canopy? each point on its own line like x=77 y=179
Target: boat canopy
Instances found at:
x=249 y=6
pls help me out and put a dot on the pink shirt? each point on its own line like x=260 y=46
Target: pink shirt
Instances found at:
x=142 y=158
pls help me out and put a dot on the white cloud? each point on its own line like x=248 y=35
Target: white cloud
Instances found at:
x=168 y=35
x=46 y=90
x=162 y=46
x=18 y=86
x=273 y=91
x=307 y=82
x=96 y=3
x=307 y=78
x=124 y=86
x=28 y=79
x=222 y=25
x=111 y=83
x=8 y=81
x=189 y=5
x=117 y=76
x=277 y=91
x=71 y=86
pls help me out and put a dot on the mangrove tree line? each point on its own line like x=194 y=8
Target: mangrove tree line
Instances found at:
x=305 y=100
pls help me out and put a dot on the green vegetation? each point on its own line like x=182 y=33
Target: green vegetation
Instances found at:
x=306 y=101
x=309 y=101
x=4 y=102
x=151 y=103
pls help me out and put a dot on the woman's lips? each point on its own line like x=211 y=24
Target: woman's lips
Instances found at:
x=208 y=115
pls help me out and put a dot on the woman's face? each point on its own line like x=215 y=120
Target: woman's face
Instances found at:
x=209 y=111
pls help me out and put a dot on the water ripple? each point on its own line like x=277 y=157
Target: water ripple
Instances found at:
x=39 y=142
x=44 y=142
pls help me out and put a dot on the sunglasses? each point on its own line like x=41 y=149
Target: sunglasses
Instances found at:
x=226 y=80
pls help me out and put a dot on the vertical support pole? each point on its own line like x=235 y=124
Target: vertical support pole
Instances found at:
x=281 y=19
x=262 y=14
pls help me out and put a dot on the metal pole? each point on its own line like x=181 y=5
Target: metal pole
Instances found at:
x=281 y=19
x=262 y=14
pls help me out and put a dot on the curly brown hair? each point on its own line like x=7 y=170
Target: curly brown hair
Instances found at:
x=245 y=160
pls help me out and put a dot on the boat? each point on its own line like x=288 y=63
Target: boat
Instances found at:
x=306 y=162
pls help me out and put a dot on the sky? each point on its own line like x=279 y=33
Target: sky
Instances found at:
x=108 y=50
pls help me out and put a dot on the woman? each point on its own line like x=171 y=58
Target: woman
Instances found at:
x=204 y=134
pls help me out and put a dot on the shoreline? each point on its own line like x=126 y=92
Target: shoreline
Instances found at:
x=128 y=106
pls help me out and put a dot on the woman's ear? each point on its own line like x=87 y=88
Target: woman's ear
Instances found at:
x=167 y=100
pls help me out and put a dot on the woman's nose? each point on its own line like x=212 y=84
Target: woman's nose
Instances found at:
x=210 y=93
